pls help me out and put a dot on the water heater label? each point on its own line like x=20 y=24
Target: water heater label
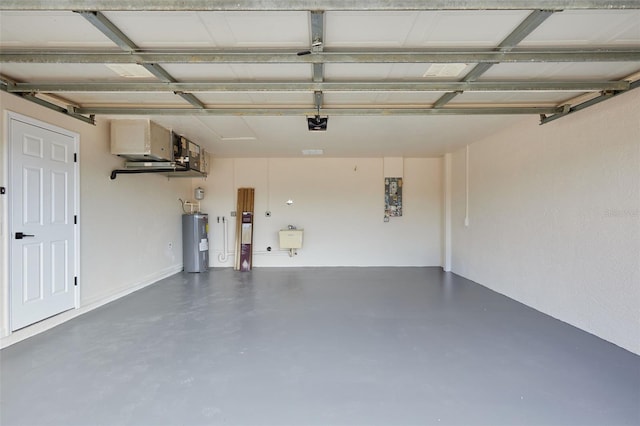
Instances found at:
x=204 y=244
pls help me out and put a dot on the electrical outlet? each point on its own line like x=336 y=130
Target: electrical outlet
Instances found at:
x=233 y=214
x=267 y=213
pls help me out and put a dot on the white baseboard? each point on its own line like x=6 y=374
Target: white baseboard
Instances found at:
x=89 y=306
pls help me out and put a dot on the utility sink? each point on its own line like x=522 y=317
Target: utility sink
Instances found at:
x=291 y=238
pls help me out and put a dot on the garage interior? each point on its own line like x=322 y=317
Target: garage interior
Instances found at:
x=507 y=291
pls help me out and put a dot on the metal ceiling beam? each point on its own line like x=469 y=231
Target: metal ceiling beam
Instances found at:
x=317 y=46
x=327 y=86
x=605 y=95
x=98 y=20
x=70 y=111
x=311 y=111
x=526 y=27
x=67 y=111
x=162 y=75
x=317 y=42
x=297 y=5
x=107 y=28
x=259 y=57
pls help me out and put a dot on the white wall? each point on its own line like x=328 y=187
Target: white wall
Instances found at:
x=340 y=205
x=126 y=225
x=555 y=217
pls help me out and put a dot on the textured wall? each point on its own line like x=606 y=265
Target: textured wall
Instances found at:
x=340 y=205
x=554 y=217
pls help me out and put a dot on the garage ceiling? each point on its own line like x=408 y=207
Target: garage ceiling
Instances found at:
x=405 y=78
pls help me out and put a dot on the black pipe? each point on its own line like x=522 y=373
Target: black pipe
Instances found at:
x=115 y=173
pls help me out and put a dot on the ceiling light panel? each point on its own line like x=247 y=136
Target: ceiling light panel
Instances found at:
x=445 y=70
x=130 y=71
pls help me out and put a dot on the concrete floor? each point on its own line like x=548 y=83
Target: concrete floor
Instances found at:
x=318 y=346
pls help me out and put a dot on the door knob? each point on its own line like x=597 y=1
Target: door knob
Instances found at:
x=20 y=235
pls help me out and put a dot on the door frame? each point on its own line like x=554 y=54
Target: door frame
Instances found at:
x=10 y=117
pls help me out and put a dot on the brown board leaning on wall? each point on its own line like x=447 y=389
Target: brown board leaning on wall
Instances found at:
x=244 y=229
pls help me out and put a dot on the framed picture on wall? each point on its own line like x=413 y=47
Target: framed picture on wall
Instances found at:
x=393 y=196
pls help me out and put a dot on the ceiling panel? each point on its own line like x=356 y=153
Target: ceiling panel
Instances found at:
x=214 y=29
x=406 y=71
x=262 y=29
x=50 y=29
x=560 y=71
x=201 y=72
x=350 y=98
x=417 y=72
x=65 y=72
x=167 y=99
x=284 y=99
x=368 y=29
x=511 y=98
x=163 y=29
x=274 y=72
x=588 y=28
x=463 y=28
x=237 y=72
x=380 y=98
x=225 y=98
x=357 y=71
x=229 y=129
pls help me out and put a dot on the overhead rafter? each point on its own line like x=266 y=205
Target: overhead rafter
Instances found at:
x=285 y=57
x=296 y=5
x=105 y=26
x=569 y=109
x=317 y=43
x=317 y=46
x=526 y=27
x=327 y=86
x=485 y=110
x=317 y=56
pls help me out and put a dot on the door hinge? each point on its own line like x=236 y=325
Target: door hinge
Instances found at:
x=3 y=190
x=75 y=157
x=75 y=281
x=75 y=219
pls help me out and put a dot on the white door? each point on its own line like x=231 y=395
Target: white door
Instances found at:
x=42 y=203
